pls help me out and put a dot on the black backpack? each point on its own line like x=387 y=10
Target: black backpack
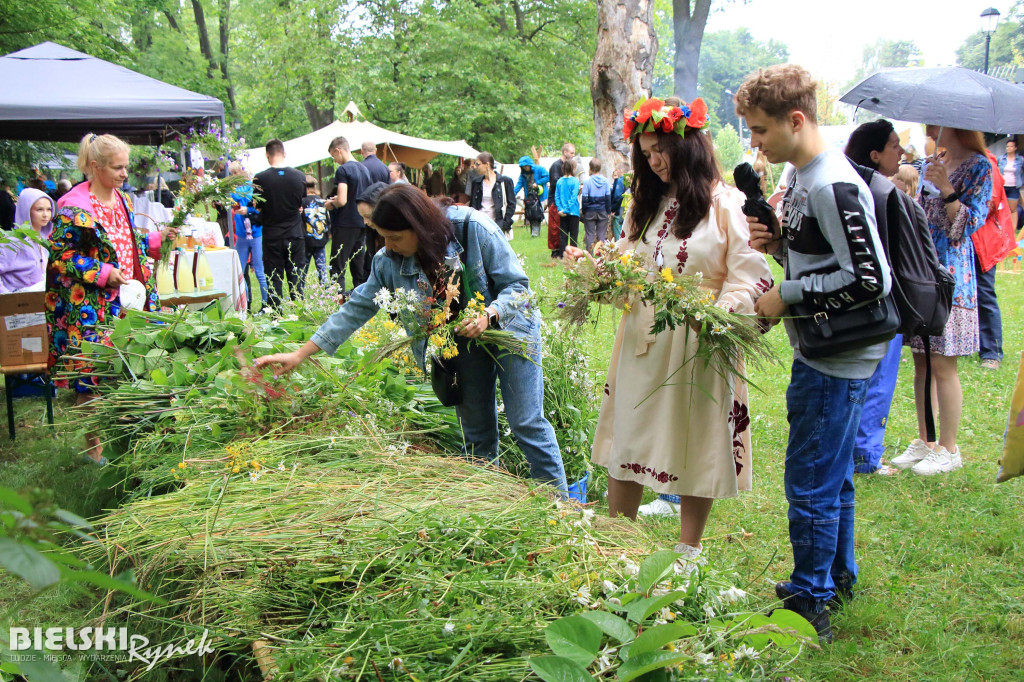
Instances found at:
x=921 y=287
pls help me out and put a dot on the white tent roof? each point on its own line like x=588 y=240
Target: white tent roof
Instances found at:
x=414 y=152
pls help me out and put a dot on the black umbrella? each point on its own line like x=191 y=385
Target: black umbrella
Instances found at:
x=951 y=96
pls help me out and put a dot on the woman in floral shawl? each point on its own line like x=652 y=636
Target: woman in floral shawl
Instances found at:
x=94 y=249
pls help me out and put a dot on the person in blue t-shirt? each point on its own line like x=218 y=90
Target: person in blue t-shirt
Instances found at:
x=567 y=201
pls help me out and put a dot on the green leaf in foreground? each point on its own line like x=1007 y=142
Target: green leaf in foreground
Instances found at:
x=645 y=663
x=575 y=638
x=28 y=563
x=654 y=638
x=13 y=500
x=790 y=620
x=559 y=669
x=654 y=568
x=611 y=625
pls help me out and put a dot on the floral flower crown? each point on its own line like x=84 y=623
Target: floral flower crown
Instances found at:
x=653 y=115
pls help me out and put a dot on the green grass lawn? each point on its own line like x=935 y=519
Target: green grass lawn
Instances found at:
x=939 y=597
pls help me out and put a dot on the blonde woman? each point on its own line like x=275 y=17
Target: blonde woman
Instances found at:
x=907 y=179
x=94 y=250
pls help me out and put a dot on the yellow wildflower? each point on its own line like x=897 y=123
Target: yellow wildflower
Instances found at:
x=181 y=465
x=479 y=296
x=256 y=464
x=235 y=470
x=625 y=307
x=666 y=274
x=618 y=282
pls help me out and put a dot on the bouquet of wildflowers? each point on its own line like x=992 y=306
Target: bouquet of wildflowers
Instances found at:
x=432 y=318
x=195 y=191
x=624 y=279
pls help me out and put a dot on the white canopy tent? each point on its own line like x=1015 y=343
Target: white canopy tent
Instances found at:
x=414 y=152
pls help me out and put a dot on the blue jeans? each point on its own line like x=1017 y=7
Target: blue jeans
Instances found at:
x=522 y=389
x=990 y=321
x=252 y=248
x=824 y=413
x=870 y=443
x=319 y=258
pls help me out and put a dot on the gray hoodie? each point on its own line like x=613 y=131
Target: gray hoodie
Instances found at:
x=597 y=195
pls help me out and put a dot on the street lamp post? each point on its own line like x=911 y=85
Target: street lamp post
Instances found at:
x=989 y=19
x=739 y=119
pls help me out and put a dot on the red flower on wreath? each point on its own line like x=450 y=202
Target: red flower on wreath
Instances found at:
x=643 y=112
x=628 y=126
x=698 y=114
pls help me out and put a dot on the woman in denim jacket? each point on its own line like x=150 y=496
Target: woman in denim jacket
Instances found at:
x=420 y=237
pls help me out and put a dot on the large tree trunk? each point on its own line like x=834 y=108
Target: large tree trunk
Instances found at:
x=688 y=32
x=620 y=73
x=225 y=27
x=204 y=38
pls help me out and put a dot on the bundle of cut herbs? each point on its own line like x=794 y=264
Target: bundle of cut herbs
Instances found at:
x=402 y=566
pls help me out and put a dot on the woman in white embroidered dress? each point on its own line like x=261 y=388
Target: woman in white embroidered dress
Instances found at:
x=684 y=432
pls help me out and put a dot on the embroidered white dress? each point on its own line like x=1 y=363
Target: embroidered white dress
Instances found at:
x=690 y=436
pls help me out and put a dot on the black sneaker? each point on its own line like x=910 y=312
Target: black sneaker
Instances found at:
x=843 y=595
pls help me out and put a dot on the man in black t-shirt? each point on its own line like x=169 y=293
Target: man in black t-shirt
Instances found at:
x=348 y=231
x=378 y=169
x=282 y=189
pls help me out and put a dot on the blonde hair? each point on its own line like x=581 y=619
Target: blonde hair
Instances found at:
x=778 y=90
x=236 y=168
x=909 y=175
x=98 y=148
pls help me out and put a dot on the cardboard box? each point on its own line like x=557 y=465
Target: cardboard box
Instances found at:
x=23 y=339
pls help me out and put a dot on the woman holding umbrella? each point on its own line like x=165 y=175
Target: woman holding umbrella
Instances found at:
x=963 y=176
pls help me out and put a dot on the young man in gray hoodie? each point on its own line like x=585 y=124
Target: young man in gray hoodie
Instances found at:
x=829 y=247
x=596 y=205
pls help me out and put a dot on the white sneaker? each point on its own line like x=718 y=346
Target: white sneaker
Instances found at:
x=691 y=557
x=915 y=452
x=659 y=507
x=939 y=461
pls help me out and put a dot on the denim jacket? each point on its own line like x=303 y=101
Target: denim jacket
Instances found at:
x=1018 y=168
x=492 y=267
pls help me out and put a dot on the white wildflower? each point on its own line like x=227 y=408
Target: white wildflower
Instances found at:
x=280 y=466
x=609 y=587
x=396 y=663
x=628 y=565
x=732 y=595
x=667 y=614
x=449 y=628
x=705 y=659
x=615 y=600
x=709 y=611
x=255 y=476
x=582 y=595
x=745 y=651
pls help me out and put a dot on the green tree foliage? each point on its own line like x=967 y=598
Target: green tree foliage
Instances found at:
x=728 y=147
x=726 y=58
x=92 y=27
x=502 y=75
x=1006 y=48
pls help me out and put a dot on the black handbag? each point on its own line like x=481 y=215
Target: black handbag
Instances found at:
x=823 y=333
x=445 y=378
x=444 y=374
